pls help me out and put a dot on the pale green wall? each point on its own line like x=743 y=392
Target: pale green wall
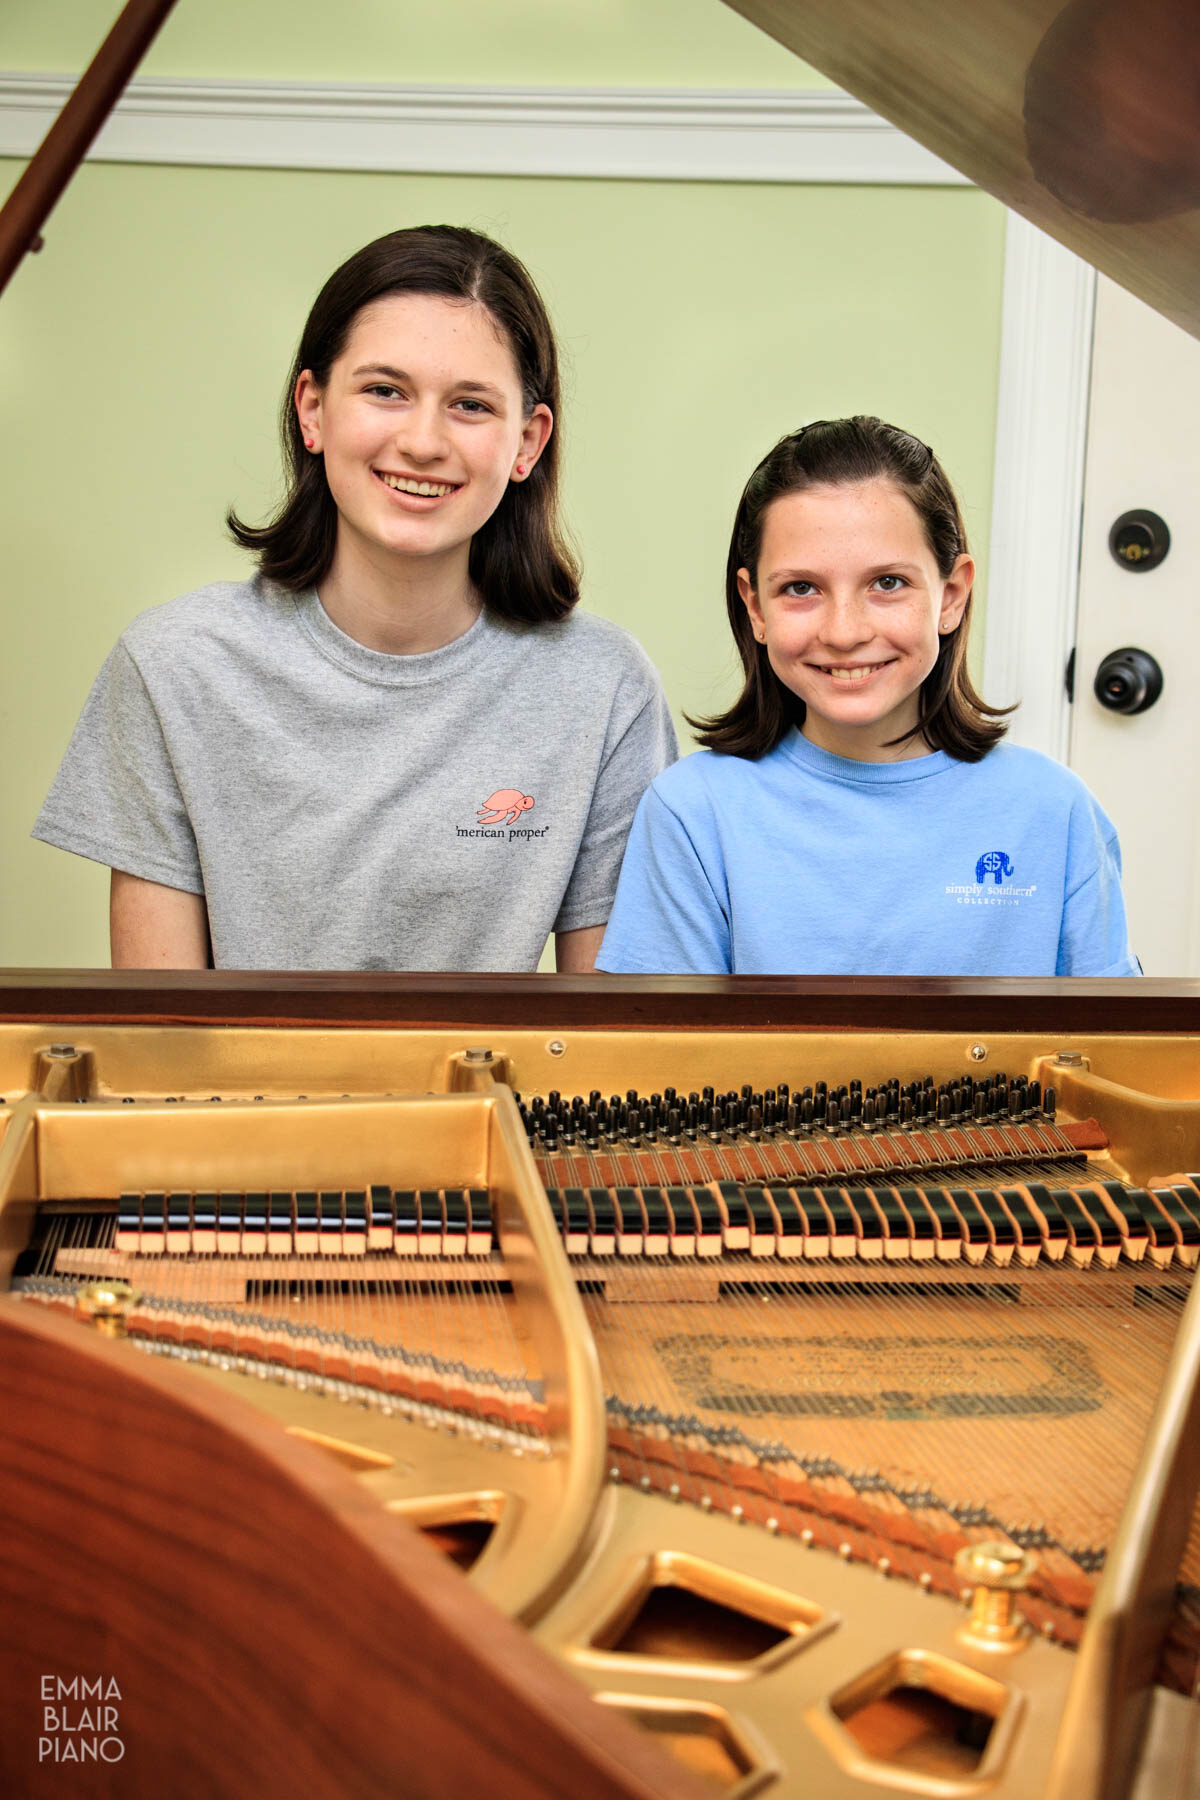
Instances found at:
x=519 y=43
x=142 y=353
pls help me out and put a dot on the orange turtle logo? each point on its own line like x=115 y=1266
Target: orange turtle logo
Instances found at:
x=502 y=807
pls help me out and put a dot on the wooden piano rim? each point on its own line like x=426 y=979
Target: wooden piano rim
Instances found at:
x=453 y=1697
x=333 y=999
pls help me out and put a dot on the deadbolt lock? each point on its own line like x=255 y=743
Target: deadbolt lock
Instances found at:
x=1139 y=540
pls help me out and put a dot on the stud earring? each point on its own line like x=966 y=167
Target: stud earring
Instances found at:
x=520 y=468
x=309 y=442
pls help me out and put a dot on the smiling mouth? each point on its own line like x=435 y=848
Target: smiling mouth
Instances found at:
x=848 y=673
x=424 y=490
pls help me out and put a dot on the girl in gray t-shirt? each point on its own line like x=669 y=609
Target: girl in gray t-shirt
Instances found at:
x=399 y=746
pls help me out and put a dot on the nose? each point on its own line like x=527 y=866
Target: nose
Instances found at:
x=421 y=433
x=845 y=621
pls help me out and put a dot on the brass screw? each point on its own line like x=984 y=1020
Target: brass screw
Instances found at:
x=106 y=1305
x=996 y=1573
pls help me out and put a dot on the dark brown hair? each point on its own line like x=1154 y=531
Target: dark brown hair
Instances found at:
x=836 y=453
x=520 y=562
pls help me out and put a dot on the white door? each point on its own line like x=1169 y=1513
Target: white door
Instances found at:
x=1143 y=452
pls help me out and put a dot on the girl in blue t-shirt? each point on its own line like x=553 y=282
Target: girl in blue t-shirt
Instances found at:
x=855 y=811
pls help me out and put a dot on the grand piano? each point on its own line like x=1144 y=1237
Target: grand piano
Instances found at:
x=414 y=1385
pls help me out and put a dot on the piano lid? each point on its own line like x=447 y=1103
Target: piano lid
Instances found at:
x=1084 y=116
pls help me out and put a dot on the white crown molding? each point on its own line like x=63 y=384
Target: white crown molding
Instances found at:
x=1037 y=493
x=674 y=134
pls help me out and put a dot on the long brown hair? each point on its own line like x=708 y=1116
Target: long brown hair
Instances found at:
x=836 y=453
x=520 y=562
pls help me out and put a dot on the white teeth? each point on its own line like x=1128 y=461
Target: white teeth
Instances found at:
x=404 y=485
x=859 y=673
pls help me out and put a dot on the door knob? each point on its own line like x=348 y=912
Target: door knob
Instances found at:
x=1128 y=681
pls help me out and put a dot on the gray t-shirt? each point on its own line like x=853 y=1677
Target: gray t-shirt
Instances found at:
x=340 y=808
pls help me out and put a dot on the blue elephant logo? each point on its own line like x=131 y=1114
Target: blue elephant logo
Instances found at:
x=994 y=863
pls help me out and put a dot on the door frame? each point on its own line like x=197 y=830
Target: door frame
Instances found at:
x=1037 y=492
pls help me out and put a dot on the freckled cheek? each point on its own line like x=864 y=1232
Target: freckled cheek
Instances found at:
x=787 y=644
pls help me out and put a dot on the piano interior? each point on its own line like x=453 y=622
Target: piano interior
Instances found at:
x=731 y=1364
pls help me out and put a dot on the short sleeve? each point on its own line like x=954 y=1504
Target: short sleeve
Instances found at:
x=1094 y=939
x=640 y=752
x=115 y=798
x=668 y=919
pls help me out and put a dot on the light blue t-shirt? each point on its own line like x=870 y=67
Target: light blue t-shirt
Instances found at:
x=804 y=863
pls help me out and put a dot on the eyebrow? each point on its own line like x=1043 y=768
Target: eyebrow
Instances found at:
x=465 y=386
x=884 y=568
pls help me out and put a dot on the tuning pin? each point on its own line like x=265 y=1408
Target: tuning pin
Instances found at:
x=1049 y=1102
